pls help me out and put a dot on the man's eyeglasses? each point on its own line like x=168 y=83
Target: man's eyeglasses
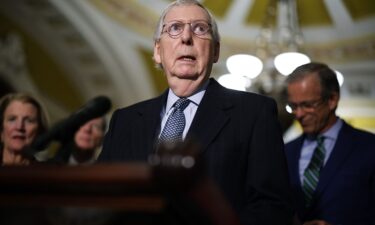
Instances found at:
x=175 y=28
x=306 y=105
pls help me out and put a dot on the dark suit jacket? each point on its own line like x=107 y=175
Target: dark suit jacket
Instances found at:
x=241 y=141
x=346 y=190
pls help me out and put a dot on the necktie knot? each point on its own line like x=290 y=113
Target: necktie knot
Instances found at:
x=181 y=103
x=320 y=139
x=175 y=124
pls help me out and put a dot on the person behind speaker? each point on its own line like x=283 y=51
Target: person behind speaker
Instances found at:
x=87 y=141
x=239 y=134
x=345 y=191
x=22 y=119
x=85 y=144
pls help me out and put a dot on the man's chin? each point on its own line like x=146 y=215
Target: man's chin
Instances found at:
x=86 y=148
x=310 y=132
x=307 y=129
x=187 y=76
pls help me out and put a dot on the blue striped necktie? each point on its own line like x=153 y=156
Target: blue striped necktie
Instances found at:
x=175 y=124
x=312 y=172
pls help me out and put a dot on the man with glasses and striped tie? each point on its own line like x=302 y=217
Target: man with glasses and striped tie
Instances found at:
x=332 y=164
x=238 y=133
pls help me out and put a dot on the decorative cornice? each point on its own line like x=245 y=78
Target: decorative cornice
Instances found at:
x=129 y=13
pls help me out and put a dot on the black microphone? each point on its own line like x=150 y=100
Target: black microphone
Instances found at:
x=65 y=129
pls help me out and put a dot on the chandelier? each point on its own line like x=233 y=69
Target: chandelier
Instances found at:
x=277 y=51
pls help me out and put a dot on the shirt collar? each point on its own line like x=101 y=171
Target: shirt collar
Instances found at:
x=196 y=97
x=331 y=133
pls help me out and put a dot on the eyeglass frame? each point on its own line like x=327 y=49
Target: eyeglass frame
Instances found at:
x=307 y=105
x=183 y=27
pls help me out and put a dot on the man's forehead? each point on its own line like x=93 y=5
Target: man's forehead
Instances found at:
x=186 y=13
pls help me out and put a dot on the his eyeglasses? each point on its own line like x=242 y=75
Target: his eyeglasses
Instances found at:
x=175 y=28
x=306 y=105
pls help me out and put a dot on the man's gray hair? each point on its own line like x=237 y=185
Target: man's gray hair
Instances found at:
x=326 y=76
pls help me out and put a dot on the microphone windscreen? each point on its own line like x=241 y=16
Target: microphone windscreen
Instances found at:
x=66 y=128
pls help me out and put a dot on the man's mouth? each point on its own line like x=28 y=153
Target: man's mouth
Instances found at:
x=188 y=58
x=305 y=123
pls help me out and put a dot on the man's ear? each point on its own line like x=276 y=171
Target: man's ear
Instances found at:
x=216 y=51
x=157 y=57
x=334 y=100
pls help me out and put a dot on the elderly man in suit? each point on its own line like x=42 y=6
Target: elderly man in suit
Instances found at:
x=332 y=164
x=239 y=134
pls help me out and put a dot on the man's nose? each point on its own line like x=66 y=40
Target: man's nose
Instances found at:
x=187 y=34
x=298 y=112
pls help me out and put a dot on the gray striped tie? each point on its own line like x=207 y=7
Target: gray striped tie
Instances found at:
x=311 y=174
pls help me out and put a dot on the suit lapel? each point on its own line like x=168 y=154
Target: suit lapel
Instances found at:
x=294 y=161
x=150 y=122
x=293 y=158
x=211 y=115
x=340 y=152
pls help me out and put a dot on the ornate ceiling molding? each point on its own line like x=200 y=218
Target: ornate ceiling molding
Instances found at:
x=131 y=14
